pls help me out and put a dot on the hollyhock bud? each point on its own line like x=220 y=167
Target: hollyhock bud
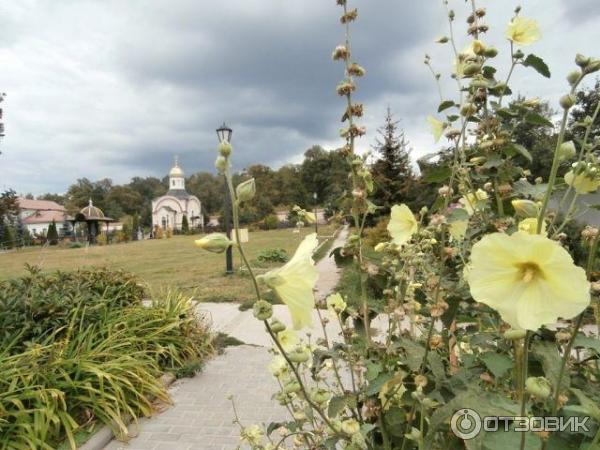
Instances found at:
x=221 y=163
x=442 y=40
x=225 y=149
x=567 y=101
x=214 y=242
x=582 y=61
x=277 y=326
x=262 y=310
x=539 y=387
x=526 y=208
x=490 y=52
x=573 y=77
x=245 y=191
x=299 y=355
x=566 y=150
x=593 y=66
x=471 y=69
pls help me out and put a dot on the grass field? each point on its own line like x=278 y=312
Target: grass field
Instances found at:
x=163 y=262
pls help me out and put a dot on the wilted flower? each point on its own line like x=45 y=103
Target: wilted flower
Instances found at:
x=402 y=224
x=474 y=201
x=523 y=31
x=529 y=279
x=214 y=242
x=437 y=127
x=349 y=16
x=278 y=366
x=252 y=434
x=356 y=70
x=345 y=87
x=336 y=303
x=294 y=282
x=340 y=52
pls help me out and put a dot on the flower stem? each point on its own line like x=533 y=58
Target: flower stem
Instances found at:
x=236 y=226
x=523 y=395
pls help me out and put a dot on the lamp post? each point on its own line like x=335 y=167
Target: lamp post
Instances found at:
x=315 y=211
x=224 y=134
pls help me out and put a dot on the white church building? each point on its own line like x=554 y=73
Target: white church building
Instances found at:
x=168 y=211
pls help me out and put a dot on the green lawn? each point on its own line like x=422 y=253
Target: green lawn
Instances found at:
x=163 y=262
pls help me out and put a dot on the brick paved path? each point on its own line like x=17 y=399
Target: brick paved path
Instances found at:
x=201 y=415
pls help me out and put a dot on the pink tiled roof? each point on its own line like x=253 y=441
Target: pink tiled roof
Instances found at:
x=46 y=217
x=45 y=205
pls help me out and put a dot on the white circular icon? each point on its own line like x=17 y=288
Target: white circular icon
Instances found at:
x=465 y=424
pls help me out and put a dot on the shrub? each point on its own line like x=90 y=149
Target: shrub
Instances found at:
x=38 y=304
x=272 y=255
x=94 y=353
x=378 y=233
x=270 y=222
x=52 y=235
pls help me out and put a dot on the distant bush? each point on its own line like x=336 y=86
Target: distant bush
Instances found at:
x=270 y=222
x=272 y=255
x=378 y=233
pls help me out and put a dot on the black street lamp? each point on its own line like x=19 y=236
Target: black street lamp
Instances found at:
x=316 y=217
x=224 y=134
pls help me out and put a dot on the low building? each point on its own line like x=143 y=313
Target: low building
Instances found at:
x=37 y=215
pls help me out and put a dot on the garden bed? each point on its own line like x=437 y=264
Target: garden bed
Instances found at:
x=80 y=349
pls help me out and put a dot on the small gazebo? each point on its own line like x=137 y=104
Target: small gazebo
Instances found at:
x=94 y=218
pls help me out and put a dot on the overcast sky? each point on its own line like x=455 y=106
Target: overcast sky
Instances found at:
x=116 y=88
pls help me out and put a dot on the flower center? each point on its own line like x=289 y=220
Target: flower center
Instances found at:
x=529 y=271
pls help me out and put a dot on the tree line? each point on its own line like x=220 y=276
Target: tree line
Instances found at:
x=321 y=179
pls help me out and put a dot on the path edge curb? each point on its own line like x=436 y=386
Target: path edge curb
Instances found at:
x=104 y=435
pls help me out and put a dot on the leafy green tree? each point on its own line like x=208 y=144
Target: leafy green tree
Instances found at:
x=52 y=234
x=135 y=225
x=392 y=172
x=209 y=189
x=324 y=172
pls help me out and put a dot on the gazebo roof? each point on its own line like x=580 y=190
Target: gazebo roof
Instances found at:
x=92 y=213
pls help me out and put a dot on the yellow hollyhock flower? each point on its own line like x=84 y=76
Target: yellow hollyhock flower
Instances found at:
x=473 y=201
x=582 y=183
x=294 y=282
x=336 y=303
x=458 y=229
x=437 y=127
x=523 y=31
x=402 y=224
x=288 y=339
x=253 y=434
x=529 y=279
x=530 y=226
